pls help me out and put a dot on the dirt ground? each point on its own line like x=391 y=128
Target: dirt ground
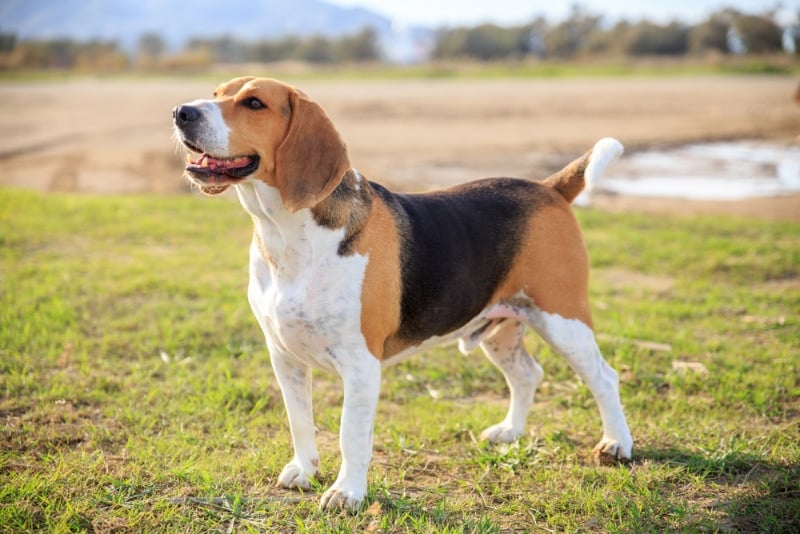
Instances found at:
x=115 y=136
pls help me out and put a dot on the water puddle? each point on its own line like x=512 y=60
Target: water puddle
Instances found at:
x=730 y=171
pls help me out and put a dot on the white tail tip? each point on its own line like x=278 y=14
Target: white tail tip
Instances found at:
x=604 y=152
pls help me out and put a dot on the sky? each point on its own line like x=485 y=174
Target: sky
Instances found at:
x=509 y=12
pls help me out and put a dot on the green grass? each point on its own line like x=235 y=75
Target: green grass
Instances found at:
x=780 y=65
x=136 y=395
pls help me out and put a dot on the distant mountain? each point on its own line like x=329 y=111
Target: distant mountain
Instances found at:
x=124 y=21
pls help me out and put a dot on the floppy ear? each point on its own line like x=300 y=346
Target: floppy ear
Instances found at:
x=312 y=159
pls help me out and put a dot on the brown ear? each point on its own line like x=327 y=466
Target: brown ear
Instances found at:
x=312 y=159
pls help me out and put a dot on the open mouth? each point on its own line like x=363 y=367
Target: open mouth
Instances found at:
x=213 y=174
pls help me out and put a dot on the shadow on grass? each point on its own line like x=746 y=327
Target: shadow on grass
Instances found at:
x=774 y=506
x=768 y=499
x=721 y=465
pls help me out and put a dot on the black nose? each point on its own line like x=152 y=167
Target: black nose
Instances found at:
x=183 y=115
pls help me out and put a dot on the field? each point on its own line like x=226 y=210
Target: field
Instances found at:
x=112 y=135
x=136 y=394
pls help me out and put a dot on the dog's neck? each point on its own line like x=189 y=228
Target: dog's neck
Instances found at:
x=348 y=207
x=289 y=241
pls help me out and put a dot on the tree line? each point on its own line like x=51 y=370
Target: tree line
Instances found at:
x=581 y=35
x=152 y=53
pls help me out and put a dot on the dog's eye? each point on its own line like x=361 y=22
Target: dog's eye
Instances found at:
x=254 y=103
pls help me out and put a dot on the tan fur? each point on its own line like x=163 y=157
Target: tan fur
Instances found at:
x=301 y=152
x=255 y=133
x=552 y=267
x=569 y=181
x=312 y=159
x=381 y=289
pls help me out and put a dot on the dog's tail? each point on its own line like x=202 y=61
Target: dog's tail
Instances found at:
x=583 y=172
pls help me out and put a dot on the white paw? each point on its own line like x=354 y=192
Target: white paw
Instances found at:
x=294 y=476
x=343 y=496
x=501 y=433
x=611 y=451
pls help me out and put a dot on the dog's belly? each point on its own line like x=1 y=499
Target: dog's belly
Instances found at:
x=468 y=336
x=431 y=342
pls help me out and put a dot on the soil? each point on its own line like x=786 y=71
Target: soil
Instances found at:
x=115 y=136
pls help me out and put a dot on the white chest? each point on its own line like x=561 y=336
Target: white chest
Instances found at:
x=313 y=315
x=306 y=298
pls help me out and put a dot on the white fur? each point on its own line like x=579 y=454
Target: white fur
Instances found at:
x=312 y=318
x=505 y=349
x=604 y=152
x=299 y=295
x=214 y=137
x=575 y=342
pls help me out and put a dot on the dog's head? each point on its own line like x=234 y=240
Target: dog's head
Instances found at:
x=262 y=129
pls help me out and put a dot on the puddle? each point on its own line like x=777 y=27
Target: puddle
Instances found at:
x=707 y=171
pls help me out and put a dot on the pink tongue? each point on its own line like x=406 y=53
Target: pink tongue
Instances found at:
x=216 y=163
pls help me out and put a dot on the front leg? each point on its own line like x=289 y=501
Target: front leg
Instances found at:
x=361 y=382
x=294 y=379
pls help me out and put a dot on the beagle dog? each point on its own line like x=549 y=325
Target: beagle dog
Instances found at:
x=347 y=276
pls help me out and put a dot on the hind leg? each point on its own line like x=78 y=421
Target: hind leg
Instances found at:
x=505 y=349
x=575 y=341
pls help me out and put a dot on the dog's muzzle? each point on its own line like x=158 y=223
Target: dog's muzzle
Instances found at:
x=208 y=168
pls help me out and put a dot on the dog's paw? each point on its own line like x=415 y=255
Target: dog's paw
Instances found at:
x=501 y=433
x=343 y=497
x=294 y=476
x=611 y=452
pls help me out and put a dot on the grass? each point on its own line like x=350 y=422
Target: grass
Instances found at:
x=779 y=64
x=136 y=395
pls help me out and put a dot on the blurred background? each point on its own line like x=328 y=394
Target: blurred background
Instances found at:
x=703 y=94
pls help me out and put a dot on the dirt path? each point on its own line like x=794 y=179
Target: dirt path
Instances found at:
x=115 y=136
